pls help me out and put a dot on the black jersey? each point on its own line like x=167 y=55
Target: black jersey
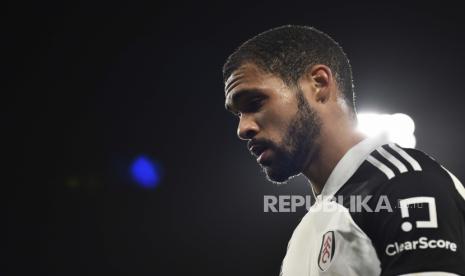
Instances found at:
x=384 y=210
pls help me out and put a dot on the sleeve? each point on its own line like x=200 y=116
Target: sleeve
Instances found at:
x=424 y=230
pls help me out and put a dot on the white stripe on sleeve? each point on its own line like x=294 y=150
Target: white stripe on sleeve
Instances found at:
x=406 y=156
x=375 y=162
x=391 y=158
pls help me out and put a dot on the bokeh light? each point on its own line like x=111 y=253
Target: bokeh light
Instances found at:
x=399 y=127
x=145 y=172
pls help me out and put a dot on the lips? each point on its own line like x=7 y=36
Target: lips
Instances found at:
x=257 y=150
x=265 y=157
x=261 y=151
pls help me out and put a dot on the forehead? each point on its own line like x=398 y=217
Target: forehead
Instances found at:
x=250 y=76
x=245 y=73
x=250 y=81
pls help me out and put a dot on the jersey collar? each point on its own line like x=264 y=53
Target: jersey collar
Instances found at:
x=349 y=163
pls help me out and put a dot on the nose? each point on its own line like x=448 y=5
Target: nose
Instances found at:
x=247 y=127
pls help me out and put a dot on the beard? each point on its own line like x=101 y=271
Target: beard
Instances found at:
x=297 y=145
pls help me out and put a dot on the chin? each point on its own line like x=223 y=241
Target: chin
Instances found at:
x=278 y=176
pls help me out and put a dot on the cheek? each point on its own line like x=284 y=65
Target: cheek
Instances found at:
x=275 y=120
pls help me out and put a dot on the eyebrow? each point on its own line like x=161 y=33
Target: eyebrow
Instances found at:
x=233 y=99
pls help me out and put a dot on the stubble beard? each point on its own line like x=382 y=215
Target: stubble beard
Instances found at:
x=297 y=146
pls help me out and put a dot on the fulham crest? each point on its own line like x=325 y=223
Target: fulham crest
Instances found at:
x=328 y=246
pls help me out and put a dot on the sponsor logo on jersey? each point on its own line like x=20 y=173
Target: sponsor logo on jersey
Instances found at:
x=328 y=246
x=422 y=243
x=432 y=222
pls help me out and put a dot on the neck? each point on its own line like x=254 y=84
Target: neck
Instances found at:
x=333 y=145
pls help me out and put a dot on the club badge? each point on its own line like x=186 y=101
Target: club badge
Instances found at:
x=328 y=246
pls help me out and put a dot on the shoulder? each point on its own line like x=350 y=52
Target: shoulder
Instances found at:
x=393 y=176
x=407 y=203
x=398 y=173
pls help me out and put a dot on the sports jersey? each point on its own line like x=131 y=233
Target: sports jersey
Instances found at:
x=384 y=210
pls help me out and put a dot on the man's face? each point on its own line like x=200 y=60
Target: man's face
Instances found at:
x=276 y=120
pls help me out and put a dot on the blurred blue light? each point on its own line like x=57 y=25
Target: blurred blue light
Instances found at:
x=145 y=172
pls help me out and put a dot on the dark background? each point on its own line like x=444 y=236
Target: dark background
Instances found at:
x=90 y=86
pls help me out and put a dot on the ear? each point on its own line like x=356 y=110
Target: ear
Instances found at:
x=320 y=80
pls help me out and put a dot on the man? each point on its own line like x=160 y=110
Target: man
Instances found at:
x=292 y=89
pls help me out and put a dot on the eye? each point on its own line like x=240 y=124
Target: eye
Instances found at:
x=254 y=105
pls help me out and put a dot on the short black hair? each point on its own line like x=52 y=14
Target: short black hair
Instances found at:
x=288 y=51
